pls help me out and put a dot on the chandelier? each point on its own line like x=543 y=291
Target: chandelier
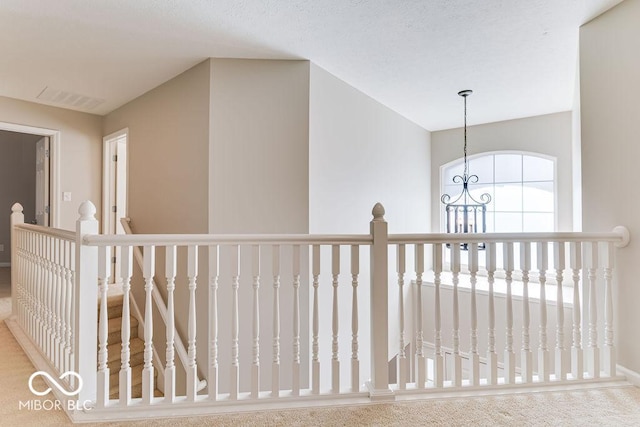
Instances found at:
x=466 y=214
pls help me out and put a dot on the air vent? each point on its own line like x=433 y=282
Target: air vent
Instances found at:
x=69 y=99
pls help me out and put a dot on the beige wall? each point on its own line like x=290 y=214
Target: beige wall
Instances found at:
x=609 y=91
x=80 y=151
x=549 y=134
x=17 y=182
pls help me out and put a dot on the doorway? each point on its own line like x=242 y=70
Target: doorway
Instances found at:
x=114 y=191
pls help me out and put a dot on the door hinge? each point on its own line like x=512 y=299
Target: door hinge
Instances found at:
x=46 y=153
x=114 y=209
x=46 y=209
x=113 y=260
x=115 y=157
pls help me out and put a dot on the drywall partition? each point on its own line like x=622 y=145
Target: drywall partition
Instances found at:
x=79 y=151
x=549 y=134
x=17 y=183
x=259 y=183
x=360 y=153
x=609 y=93
x=168 y=181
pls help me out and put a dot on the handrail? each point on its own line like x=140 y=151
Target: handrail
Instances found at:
x=620 y=236
x=48 y=231
x=160 y=304
x=215 y=239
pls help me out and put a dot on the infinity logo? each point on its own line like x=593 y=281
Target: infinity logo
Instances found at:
x=55 y=383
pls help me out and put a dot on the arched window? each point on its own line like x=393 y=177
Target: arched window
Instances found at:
x=522 y=187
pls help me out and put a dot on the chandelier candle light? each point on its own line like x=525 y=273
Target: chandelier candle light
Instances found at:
x=465 y=214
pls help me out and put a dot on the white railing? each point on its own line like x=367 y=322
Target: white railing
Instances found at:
x=279 y=319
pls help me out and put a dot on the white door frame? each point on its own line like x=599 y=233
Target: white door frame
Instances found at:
x=54 y=164
x=107 y=179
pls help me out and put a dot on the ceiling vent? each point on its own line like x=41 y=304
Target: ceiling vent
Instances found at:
x=69 y=99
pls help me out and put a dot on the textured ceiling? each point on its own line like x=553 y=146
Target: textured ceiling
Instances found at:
x=519 y=56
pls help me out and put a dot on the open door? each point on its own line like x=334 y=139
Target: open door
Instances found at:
x=42 y=181
x=115 y=191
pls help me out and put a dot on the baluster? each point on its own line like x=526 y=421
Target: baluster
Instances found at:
x=48 y=297
x=402 y=357
x=492 y=356
x=474 y=357
x=41 y=294
x=543 y=352
x=355 y=362
x=420 y=359
x=72 y=303
x=315 y=363
x=235 y=283
x=438 y=356
x=255 y=366
x=170 y=369
x=609 y=349
x=296 y=321
x=577 y=356
x=125 y=355
x=335 y=361
x=509 y=354
x=68 y=288
x=147 y=372
x=58 y=304
x=527 y=357
x=275 y=365
x=103 y=327
x=457 y=359
x=594 y=351
x=561 y=353
x=212 y=381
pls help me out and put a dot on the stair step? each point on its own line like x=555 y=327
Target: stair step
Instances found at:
x=136 y=383
x=114 y=306
x=136 y=354
x=115 y=325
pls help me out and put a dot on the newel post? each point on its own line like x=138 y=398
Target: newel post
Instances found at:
x=379 y=382
x=17 y=217
x=86 y=303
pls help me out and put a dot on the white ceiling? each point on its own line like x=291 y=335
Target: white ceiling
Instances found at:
x=519 y=56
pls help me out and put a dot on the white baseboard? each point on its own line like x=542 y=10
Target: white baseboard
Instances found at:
x=632 y=376
x=5 y=264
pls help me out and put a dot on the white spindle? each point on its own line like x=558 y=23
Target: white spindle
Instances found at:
x=68 y=286
x=420 y=359
x=170 y=369
x=609 y=349
x=125 y=368
x=335 y=361
x=212 y=381
x=509 y=354
x=235 y=327
x=577 y=356
x=438 y=356
x=526 y=356
x=561 y=360
x=192 y=369
x=457 y=358
x=148 y=271
x=255 y=365
x=315 y=363
x=594 y=351
x=48 y=297
x=355 y=362
x=296 y=321
x=492 y=356
x=474 y=357
x=402 y=357
x=57 y=284
x=543 y=351
x=275 y=365
x=104 y=264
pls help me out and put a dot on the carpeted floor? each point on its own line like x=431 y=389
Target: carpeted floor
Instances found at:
x=594 y=407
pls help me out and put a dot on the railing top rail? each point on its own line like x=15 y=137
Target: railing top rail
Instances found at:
x=48 y=231
x=430 y=238
x=225 y=239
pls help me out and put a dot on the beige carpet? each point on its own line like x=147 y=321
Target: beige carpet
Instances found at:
x=595 y=407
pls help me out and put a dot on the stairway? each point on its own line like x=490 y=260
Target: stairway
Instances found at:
x=136 y=348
